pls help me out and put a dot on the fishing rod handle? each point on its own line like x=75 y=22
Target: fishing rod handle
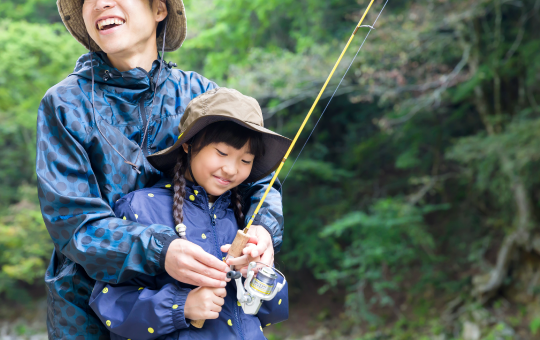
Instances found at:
x=236 y=250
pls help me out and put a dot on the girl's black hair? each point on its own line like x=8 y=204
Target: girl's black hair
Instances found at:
x=226 y=132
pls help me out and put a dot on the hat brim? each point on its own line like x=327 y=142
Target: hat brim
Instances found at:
x=71 y=14
x=275 y=147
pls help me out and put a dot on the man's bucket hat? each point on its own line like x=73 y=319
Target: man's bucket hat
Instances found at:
x=71 y=14
x=223 y=104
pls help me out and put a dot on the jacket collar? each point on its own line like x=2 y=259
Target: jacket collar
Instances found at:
x=106 y=74
x=199 y=195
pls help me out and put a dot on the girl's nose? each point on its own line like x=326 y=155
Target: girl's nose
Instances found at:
x=229 y=169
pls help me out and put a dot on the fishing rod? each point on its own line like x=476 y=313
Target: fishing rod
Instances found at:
x=306 y=120
x=263 y=287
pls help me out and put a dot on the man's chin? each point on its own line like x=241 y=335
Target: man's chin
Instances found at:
x=113 y=46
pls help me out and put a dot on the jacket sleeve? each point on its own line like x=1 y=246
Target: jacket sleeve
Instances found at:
x=270 y=215
x=82 y=225
x=137 y=312
x=277 y=309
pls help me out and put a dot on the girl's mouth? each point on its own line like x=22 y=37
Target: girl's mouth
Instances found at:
x=222 y=181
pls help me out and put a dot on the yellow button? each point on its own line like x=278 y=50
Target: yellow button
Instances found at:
x=215 y=216
x=260 y=327
x=174 y=306
x=168 y=186
x=238 y=303
x=268 y=325
x=136 y=216
x=279 y=303
x=141 y=288
x=192 y=198
x=196 y=192
x=203 y=236
x=124 y=217
x=105 y=290
x=150 y=195
x=108 y=322
x=150 y=330
x=229 y=322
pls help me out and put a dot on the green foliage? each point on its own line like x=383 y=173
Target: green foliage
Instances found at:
x=235 y=29
x=36 y=11
x=535 y=325
x=385 y=244
x=24 y=245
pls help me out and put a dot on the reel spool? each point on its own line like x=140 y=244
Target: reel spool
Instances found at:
x=257 y=288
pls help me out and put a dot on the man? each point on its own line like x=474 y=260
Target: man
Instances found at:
x=95 y=129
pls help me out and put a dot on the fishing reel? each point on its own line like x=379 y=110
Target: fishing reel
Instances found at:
x=257 y=288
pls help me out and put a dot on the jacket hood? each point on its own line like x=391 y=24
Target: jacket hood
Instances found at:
x=106 y=74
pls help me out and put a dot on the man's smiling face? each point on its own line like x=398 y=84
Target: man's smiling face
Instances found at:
x=123 y=26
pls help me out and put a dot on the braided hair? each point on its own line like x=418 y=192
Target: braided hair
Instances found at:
x=179 y=183
x=226 y=132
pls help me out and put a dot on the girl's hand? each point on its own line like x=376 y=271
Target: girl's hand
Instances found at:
x=258 y=249
x=204 y=303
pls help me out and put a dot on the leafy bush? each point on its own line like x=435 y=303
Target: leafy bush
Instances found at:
x=25 y=245
x=383 y=245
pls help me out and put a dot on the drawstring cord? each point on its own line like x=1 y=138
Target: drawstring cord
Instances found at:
x=133 y=165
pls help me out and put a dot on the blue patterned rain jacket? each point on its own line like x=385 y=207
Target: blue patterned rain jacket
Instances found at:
x=80 y=177
x=150 y=307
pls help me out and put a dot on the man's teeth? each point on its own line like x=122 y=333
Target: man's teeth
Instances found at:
x=110 y=21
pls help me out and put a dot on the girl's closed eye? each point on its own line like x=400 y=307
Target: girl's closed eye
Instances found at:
x=221 y=153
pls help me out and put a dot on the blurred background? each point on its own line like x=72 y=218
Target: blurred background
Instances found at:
x=413 y=211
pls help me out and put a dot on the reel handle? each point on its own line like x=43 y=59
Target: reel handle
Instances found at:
x=236 y=250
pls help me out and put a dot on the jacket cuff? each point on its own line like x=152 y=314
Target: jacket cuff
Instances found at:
x=166 y=240
x=179 y=319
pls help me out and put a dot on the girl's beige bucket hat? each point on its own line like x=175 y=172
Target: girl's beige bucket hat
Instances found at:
x=223 y=104
x=71 y=14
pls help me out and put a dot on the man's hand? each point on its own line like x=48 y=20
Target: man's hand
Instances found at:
x=258 y=249
x=189 y=263
x=204 y=303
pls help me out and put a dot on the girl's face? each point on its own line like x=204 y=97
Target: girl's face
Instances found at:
x=219 y=167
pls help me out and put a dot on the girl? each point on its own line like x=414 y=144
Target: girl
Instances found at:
x=222 y=144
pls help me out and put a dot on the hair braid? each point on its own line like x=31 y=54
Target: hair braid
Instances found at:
x=236 y=201
x=179 y=183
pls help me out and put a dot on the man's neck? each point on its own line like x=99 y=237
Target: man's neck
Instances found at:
x=140 y=56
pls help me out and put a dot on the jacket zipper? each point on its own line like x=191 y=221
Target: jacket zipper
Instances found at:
x=144 y=116
x=218 y=251
x=144 y=136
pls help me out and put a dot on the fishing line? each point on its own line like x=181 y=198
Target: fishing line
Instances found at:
x=304 y=122
x=332 y=97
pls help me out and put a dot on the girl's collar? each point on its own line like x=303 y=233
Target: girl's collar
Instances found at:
x=196 y=193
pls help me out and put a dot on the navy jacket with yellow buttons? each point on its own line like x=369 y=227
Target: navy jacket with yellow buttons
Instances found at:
x=150 y=307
